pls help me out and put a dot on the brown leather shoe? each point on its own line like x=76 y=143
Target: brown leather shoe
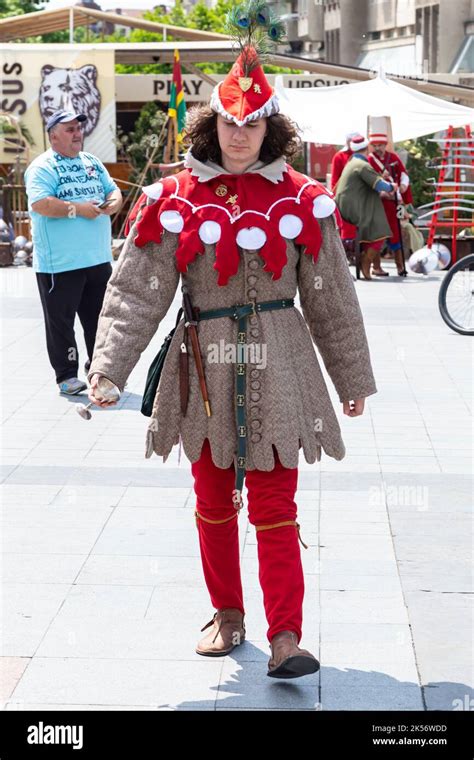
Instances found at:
x=366 y=259
x=377 y=267
x=288 y=660
x=227 y=632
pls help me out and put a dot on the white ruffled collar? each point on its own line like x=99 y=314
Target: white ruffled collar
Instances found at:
x=205 y=171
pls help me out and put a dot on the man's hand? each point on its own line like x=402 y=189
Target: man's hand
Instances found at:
x=115 y=203
x=88 y=210
x=391 y=194
x=353 y=408
x=111 y=208
x=93 y=390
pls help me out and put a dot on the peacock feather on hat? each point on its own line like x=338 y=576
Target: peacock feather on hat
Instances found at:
x=255 y=28
x=245 y=94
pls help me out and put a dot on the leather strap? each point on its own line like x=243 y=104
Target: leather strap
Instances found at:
x=280 y=525
x=245 y=309
x=240 y=312
x=213 y=522
x=184 y=372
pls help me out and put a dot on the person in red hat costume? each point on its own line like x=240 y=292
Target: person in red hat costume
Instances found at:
x=359 y=193
x=339 y=161
x=391 y=167
x=245 y=232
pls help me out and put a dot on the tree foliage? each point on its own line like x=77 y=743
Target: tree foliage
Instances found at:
x=199 y=17
x=18 y=7
x=144 y=142
x=422 y=156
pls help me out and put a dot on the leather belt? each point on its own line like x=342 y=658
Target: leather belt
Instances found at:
x=240 y=312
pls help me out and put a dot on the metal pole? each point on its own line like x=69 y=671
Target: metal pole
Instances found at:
x=457 y=189
x=71 y=25
x=402 y=250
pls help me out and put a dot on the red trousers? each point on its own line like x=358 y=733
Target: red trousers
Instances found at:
x=348 y=231
x=272 y=510
x=377 y=245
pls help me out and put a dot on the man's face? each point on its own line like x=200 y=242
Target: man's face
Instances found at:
x=379 y=149
x=67 y=138
x=241 y=144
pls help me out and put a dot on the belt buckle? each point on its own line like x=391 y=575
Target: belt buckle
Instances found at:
x=252 y=304
x=249 y=303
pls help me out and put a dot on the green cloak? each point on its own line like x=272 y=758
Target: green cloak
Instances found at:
x=359 y=202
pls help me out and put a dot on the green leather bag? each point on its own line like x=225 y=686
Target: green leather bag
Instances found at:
x=154 y=373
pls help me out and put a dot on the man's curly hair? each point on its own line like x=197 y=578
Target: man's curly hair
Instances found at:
x=281 y=139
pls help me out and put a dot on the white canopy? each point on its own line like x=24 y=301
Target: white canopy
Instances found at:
x=327 y=114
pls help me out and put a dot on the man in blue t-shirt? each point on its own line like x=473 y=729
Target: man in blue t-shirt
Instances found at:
x=72 y=240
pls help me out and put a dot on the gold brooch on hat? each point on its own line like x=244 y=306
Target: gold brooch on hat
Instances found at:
x=245 y=83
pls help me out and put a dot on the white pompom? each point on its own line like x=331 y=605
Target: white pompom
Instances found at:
x=172 y=221
x=323 y=206
x=290 y=226
x=251 y=238
x=154 y=191
x=210 y=232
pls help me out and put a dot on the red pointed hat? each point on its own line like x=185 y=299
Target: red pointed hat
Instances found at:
x=245 y=94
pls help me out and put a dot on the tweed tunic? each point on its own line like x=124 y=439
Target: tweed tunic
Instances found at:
x=287 y=401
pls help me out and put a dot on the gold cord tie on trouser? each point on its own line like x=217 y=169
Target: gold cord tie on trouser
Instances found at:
x=280 y=525
x=213 y=522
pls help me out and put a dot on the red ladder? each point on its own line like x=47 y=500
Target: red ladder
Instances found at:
x=456 y=144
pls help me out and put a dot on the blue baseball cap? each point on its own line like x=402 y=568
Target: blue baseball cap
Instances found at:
x=60 y=117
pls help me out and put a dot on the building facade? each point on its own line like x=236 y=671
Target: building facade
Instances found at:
x=406 y=37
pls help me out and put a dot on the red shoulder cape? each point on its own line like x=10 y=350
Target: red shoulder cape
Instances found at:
x=231 y=211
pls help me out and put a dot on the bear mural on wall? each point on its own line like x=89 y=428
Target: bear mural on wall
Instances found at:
x=72 y=89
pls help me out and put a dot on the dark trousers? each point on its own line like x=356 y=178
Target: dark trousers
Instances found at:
x=81 y=292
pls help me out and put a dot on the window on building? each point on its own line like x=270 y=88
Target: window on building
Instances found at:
x=332 y=45
x=427 y=26
x=464 y=60
x=399 y=60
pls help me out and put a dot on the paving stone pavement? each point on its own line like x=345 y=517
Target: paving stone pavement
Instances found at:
x=103 y=595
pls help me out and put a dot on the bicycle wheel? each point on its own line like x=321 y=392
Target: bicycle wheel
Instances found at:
x=456 y=296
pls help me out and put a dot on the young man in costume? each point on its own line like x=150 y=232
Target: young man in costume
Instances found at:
x=245 y=232
x=339 y=161
x=358 y=199
x=391 y=167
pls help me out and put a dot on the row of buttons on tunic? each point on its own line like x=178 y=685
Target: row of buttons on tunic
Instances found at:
x=255 y=385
